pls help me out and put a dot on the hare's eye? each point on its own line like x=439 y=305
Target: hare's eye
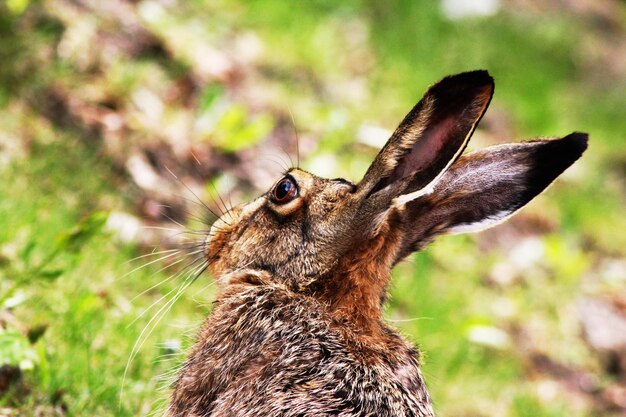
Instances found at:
x=285 y=191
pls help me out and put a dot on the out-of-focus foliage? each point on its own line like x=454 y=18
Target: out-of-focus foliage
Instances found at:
x=120 y=119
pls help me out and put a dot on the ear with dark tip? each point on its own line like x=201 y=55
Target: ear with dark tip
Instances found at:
x=431 y=137
x=484 y=188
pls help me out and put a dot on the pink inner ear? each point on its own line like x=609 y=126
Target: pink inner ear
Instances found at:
x=448 y=113
x=431 y=153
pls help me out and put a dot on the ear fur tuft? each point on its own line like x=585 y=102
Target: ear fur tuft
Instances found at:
x=551 y=159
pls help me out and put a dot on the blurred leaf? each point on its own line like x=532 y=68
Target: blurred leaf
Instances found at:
x=4 y=96
x=27 y=252
x=17 y=7
x=35 y=332
x=4 y=261
x=52 y=274
x=235 y=132
x=568 y=261
x=75 y=239
x=44 y=366
x=209 y=95
x=12 y=298
x=16 y=350
x=489 y=336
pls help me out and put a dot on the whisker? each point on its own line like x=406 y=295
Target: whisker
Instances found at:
x=288 y=155
x=288 y=166
x=153 y=253
x=191 y=276
x=163 y=281
x=220 y=198
x=190 y=190
x=171 y=264
x=178 y=231
x=200 y=272
x=204 y=218
x=228 y=184
x=172 y=220
x=279 y=162
x=295 y=129
x=148 y=263
x=201 y=205
x=176 y=275
x=205 y=221
x=193 y=246
x=169 y=229
x=215 y=215
x=206 y=287
x=149 y=327
x=183 y=229
x=196 y=158
x=409 y=320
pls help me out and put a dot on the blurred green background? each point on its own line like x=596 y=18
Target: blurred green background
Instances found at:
x=117 y=116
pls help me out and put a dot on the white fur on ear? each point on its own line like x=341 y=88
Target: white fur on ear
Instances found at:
x=405 y=198
x=486 y=223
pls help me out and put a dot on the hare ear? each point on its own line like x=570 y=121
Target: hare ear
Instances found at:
x=430 y=138
x=484 y=188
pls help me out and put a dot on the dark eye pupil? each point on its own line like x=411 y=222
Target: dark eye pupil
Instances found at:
x=283 y=189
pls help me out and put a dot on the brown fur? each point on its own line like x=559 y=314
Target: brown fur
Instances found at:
x=297 y=328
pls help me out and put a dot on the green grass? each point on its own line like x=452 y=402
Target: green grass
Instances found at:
x=84 y=304
x=70 y=313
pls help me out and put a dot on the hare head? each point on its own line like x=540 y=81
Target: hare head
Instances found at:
x=339 y=240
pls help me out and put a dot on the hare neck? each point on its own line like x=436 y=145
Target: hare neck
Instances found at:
x=356 y=290
x=358 y=300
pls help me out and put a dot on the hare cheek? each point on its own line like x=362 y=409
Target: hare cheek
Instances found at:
x=378 y=223
x=288 y=208
x=252 y=207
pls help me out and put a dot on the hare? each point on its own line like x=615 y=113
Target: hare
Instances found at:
x=297 y=328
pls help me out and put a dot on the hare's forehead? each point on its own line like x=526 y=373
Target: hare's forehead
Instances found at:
x=305 y=180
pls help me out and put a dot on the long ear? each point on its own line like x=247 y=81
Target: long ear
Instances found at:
x=430 y=138
x=484 y=188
